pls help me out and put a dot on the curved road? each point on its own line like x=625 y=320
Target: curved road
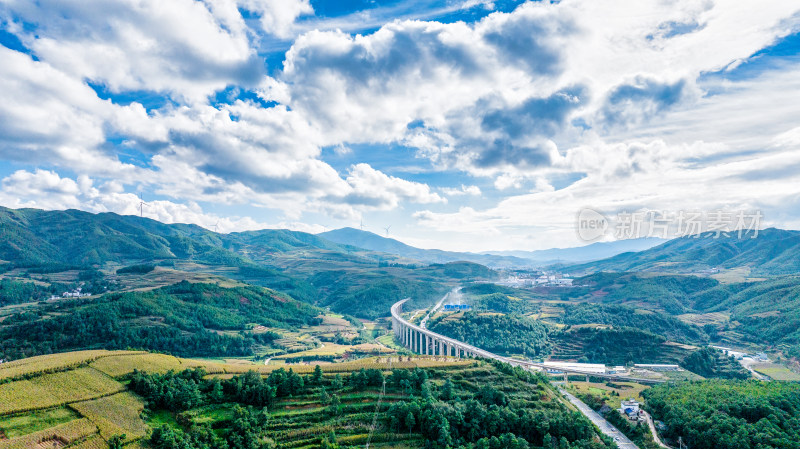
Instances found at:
x=619 y=438
x=396 y=314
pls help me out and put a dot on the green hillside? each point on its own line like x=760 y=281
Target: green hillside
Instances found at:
x=765 y=312
x=665 y=292
x=33 y=237
x=728 y=414
x=713 y=363
x=183 y=319
x=772 y=252
x=618 y=346
x=620 y=316
x=503 y=334
x=43 y=245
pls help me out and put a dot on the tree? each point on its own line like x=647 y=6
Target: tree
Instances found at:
x=425 y=391
x=547 y=442
x=116 y=441
x=324 y=397
x=444 y=438
x=410 y=421
x=335 y=408
x=317 y=377
x=337 y=383
x=447 y=390
x=216 y=393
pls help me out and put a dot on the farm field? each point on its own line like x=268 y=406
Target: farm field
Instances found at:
x=17 y=425
x=87 y=405
x=117 y=414
x=53 y=362
x=57 y=436
x=56 y=389
x=776 y=371
x=612 y=393
x=327 y=351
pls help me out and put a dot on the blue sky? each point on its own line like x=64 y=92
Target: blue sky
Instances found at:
x=464 y=124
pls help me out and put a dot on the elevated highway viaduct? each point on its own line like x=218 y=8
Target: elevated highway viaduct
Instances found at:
x=424 y=341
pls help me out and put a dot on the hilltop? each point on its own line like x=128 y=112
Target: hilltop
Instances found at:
x=71 y=244
x=772 y=252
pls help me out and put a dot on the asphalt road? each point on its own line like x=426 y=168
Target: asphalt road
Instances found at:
x=622 y=441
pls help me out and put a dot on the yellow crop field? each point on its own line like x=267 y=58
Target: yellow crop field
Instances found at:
x=116 y=366
x=384 y=363
x=93 y=442
x=50 y=390
x=115 y=415
x=333 y=349
x=65 y=433
x=53 y=362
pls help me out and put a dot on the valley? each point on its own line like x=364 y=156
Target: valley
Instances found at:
x=84 y=326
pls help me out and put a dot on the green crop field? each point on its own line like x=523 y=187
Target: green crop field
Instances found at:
x=58 y=436
x=17 y=425
x=115 y=415
x=776 y=372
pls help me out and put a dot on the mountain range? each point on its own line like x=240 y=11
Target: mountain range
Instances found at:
x=361 y=274
x=771 y=252
x=308 y=267
x=593 y=251
x=494 y=259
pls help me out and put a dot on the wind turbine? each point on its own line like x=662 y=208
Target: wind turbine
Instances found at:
x=215 y=226
x=387 y=230
x=362 y=225
x=141 y=206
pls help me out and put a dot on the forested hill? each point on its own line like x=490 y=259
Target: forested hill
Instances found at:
x=772 y=252
x=71 y=237
x=70 y=245
x=186 y=319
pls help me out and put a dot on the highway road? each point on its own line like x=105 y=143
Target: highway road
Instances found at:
x=453 y=294
x=396 y=314
x=622 y=441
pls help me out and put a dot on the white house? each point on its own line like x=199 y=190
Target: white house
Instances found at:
x=630 y=407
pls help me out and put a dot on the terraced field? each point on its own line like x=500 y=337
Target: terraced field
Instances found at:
x=118 y=414
x=50 y=390
x=467 y=397
x=79 y=399
x=53 y=362
x=59 y=436
x=776 y=372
